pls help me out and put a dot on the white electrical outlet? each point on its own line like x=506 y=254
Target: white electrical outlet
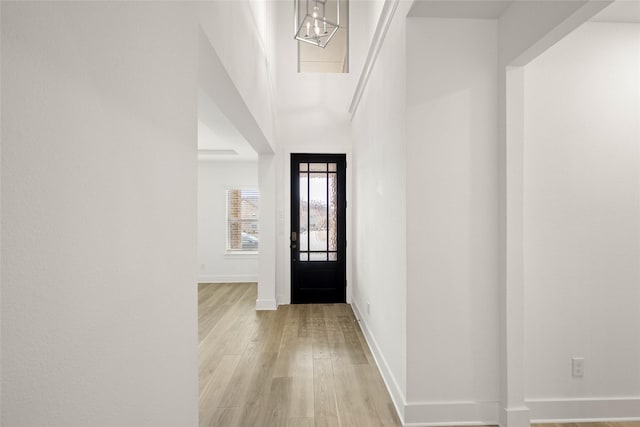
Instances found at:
x=368 y=308
x=577 y=367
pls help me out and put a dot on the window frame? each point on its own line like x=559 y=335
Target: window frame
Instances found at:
x=228 y=221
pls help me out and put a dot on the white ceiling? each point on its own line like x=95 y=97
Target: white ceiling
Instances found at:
x=464 y=9
x=218 y=139
x=620 y=11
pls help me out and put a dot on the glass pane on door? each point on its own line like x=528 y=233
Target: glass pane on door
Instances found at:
x=304 y=212
x=318 y=212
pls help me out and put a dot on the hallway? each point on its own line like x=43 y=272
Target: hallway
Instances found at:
x=302 y=365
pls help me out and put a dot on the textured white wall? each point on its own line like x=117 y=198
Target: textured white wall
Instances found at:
x=581 y=220
x=452 y=228
x=214 y=179
x=98 y=211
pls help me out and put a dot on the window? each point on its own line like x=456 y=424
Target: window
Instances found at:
x=242 y=220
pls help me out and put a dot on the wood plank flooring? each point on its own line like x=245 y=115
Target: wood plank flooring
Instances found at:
x=298 y=366
x=603 y=424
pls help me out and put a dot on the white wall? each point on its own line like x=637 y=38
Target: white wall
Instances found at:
x=98 y=209
x=472 y=370
x=217 y=83
x=0 y=222
x=243 y=46
x=236 y=30
x=582 y=223
x=452 y=228
x=379 y=209
x=525 y=23
x=268 y=261
x=525 y=30
x=216 y=263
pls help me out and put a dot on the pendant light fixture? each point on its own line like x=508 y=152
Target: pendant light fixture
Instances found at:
x=316 y=21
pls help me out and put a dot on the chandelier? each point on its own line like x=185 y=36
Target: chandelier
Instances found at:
x=316 y=21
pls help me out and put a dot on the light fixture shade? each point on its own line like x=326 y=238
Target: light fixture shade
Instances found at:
x=316 y=21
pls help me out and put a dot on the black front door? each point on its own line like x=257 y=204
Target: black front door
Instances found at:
x=318 y=228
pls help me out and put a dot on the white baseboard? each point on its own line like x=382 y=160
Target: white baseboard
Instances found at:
x=227 y=279
x=519 y=416
x=266 y=304
x=584 y=410
x=397 y=396
x=451 y=413
x=427 y=414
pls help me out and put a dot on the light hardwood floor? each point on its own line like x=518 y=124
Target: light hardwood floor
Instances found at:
x=298 y=366
x=618 y=424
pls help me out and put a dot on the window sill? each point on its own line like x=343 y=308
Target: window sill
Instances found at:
x=233 y=254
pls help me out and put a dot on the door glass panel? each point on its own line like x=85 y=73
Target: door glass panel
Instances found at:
x=333 y=212
x=318 y=212
x=303 y=235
